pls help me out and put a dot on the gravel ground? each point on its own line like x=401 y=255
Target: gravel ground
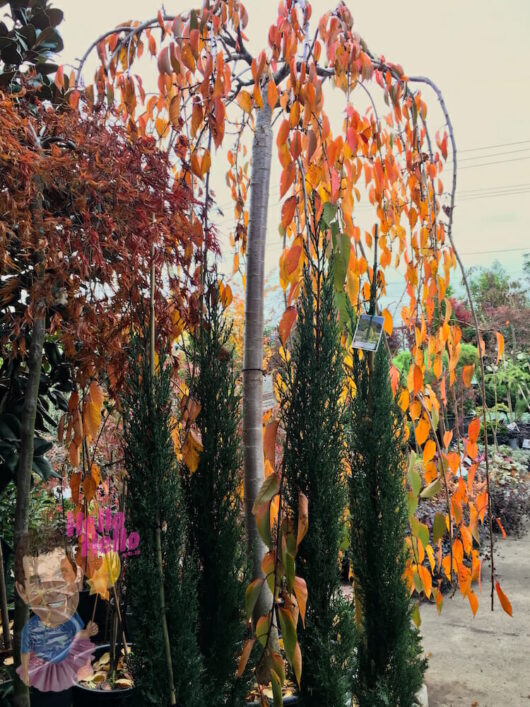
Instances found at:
x=483 y=661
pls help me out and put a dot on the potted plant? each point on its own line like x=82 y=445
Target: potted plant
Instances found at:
x=108 y=680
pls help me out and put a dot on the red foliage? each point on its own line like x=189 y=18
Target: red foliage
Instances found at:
x=82 y=208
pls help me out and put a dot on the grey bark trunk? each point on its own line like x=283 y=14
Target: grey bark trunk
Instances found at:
x=253 y=348
x=21 y=697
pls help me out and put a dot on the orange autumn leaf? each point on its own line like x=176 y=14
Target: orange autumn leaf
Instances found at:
x=426 y=580
x=473 y=602
x=422 y=431
x=269 y=441
x=505 y=602
x=89 y=487
x=96 y=394
x=91 y=419
x=287 y=178
x=288 y=209
x=388 y=325
x=474 y=429
x=272 y=94
x=75 y=482
x=467 y=374
x=243 y=660
x=303 y=518
x=500 y=345
x=418 y=379
x=300 y=591
x=74 y=453
x=286 y=323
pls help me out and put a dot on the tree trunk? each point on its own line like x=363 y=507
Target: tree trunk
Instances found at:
x=3 y=603
x=253 y=349
x=21 y=698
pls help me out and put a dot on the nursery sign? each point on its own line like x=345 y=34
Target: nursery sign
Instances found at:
x=368 y=332
x=108 y=533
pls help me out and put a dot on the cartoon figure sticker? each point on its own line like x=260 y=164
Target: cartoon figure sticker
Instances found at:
x=55 y=646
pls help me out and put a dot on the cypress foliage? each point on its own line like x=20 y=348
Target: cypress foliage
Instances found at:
x=313 y=459
x=390 y=666
x=155 y=501
x=214 y=507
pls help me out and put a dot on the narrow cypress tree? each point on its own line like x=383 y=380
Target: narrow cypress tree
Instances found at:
x=390 y=666
x=214 y=507
x=313 y=459
x=156 y=510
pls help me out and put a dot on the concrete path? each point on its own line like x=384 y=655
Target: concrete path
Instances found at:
x=483 y=661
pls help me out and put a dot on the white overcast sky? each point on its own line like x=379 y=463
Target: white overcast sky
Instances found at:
x=477 y=51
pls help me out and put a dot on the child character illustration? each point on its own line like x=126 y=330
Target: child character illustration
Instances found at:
x=55 y=646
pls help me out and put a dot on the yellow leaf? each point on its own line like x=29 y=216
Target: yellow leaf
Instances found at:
x=403 y=401
x=244 y=100
x=429 y=451
x=192 y=449
x=388 y=324
x=112 y=565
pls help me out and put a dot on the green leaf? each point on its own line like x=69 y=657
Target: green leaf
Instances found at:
x=263 y=523
x=340 y=260
x=262 y=628
x=252 y=594
x=420 y=530
x=328 y=213
x=9 y=427
x=288 y=633
x=279 y=666
x=412 y=503
x=41 y=446
x=414 y=480
x=415 y=615
x=438 y=527
x=432 y=489
x=268 y=490
x=44 y=469
x=276 y=689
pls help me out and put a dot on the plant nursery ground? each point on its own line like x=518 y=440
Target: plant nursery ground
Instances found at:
x=485 y=661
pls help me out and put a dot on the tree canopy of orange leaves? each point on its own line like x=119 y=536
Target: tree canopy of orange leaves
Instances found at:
x=206 y=77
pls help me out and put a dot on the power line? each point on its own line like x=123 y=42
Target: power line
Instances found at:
x=495 y=154
x=486 y=164
x=492 y=147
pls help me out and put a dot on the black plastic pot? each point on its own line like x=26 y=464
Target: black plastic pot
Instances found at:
x=291 y=700
x=50 y=699
x=85 y=697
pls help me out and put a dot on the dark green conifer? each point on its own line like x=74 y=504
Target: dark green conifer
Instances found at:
x=390 y=667
x=214 y=506
x=156 y=510
x=313 y=459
